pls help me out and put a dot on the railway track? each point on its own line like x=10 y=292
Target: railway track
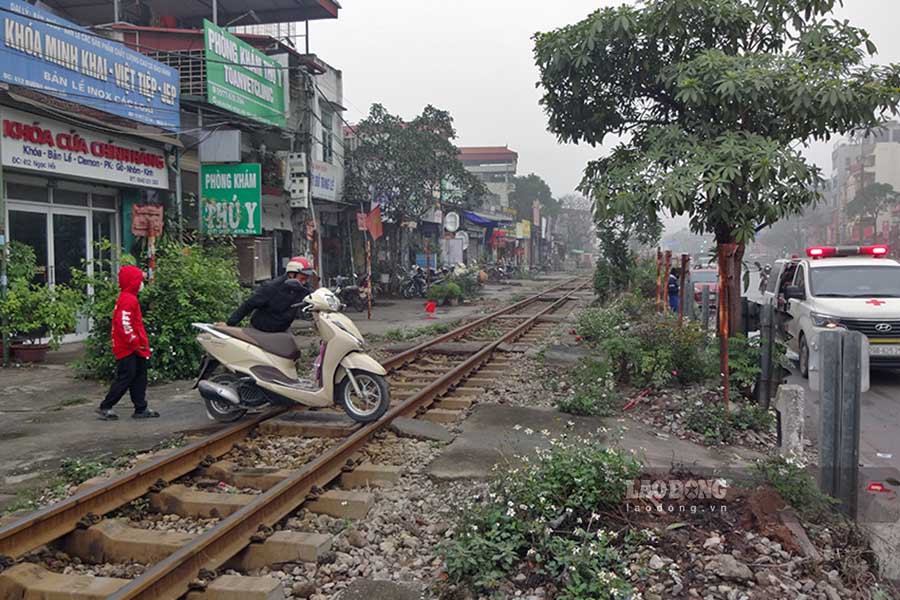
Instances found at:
x=436 y=380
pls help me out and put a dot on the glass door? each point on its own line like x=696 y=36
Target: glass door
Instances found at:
x=70 y=244
x=29 y=226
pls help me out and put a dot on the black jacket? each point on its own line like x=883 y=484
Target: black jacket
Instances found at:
x=271 y=305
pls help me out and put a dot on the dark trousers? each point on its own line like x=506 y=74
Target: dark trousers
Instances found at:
x=131 y=376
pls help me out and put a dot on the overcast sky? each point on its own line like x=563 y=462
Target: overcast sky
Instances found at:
x=474 y=58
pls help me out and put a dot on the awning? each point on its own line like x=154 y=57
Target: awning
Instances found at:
x=484 y=221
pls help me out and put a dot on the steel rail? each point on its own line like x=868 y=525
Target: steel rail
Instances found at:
x=172 y=577
x=48 y=524
x=45 y=525
x=404 y=357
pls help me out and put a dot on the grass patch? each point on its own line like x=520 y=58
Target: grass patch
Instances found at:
x=403 y=334
x=593 y=390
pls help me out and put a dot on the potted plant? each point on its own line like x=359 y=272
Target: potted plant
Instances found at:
x=33 y=312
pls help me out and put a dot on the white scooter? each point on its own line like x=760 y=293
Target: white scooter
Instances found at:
x=259 y=368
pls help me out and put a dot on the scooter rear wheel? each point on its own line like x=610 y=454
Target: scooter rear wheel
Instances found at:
x=369 y=408
x=220 y=410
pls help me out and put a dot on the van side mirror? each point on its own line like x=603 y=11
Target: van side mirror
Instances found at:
x=794 y=292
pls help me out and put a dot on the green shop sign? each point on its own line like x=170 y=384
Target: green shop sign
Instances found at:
x=241 y=79
x=231 y=199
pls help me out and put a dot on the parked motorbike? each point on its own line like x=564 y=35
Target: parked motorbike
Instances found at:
x=349 y=293
x=256 y=368
x=414 y=283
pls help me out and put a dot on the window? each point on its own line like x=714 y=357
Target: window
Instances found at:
x=327 y=134
x=881 y=281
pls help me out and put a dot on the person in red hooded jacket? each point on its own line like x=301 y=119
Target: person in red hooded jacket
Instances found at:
x=131 y=348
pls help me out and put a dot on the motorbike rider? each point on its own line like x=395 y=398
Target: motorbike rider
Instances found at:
x=272 y=304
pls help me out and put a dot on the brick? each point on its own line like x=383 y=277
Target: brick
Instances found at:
x=341 y=504
x=454 y=403
x=440 y=415
x=235 y=587
x=282 y=547
x=29 y=581
x=369 y=474
x=113 y=541
x=263 y=478
x=183 y=501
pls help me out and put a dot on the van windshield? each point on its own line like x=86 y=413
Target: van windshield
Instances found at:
x=855 y=282
x=704 y=276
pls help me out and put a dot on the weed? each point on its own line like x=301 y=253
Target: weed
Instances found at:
x=74 y=401
x=593 y=390
x=75 y=470
x=796 y=486
x=710 y=420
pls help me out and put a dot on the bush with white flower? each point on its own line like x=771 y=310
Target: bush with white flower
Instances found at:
x=545 y=517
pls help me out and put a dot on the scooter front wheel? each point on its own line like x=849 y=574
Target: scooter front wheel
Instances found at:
x=371 y=404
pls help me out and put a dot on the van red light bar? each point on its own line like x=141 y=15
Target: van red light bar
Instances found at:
x=826 y=251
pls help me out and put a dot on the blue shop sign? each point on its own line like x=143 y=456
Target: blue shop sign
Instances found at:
x=43 y=52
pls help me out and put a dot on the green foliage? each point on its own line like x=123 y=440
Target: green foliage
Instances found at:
x=410 y=163
x=744 y=363
x=468 y=283
x=718 y=427
x=76 y=470
x=593 y=390
x=711 y=420
x=528 y=189
x=796 y=486
x=444 y=292
x=402 y=334
x=191 y=284
x=715 y=99
x=33 y=311
x=545 y=514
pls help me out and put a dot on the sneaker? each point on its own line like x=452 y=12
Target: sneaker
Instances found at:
x=145 y=414
x=105 y=414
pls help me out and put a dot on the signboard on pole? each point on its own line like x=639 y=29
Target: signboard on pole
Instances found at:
x=231 y=199
x=46 y=53
x=241 y=79
x=324 y=181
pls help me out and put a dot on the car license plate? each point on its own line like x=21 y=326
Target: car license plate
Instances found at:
x=884 y=350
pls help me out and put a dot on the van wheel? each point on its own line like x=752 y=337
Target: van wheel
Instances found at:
x=804 y=357
x=372 y=405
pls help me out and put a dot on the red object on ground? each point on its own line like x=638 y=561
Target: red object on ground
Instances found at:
x=572 y=331
x=577 y=338
x=635 y=400
x=430 y=307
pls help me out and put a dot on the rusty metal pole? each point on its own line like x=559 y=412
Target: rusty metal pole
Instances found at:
x=658 y=279
x=682 y=296
x=725 y=263
x=667 y=269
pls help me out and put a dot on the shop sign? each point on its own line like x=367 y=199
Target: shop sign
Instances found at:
x=231 y=199
x=241 y=79
x=146 y=220
x=324 y=181
x=46 y=53
x=523 y=230
x=58 y=149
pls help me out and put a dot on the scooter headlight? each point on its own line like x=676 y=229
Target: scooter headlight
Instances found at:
x=333 y=302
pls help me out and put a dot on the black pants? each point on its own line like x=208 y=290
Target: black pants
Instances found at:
x=131 y=376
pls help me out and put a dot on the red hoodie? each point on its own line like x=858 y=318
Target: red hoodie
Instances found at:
x=128 y=335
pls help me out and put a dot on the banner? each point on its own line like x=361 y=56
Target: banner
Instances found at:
x=241 y=79
x=48 y=54
x=146 y=220
x=361 y=221
x=55 y=148
x=373 y=223
x=231 y=199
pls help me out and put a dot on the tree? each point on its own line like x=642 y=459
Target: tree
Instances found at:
x=528 y=189
x=411 y=167
x=713 y=98
x=870 y=202
x=618 y=236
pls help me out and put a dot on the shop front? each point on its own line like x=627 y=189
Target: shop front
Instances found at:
x=65 y=186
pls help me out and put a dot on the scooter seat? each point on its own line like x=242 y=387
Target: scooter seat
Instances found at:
x=279 y=344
